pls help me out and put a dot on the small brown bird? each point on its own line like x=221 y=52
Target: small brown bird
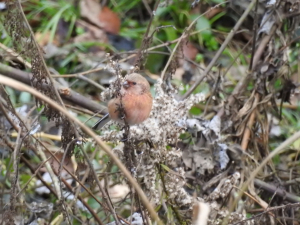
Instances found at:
x=136 y=101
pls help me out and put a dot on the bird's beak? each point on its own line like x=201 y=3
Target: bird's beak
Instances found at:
x=126 y=84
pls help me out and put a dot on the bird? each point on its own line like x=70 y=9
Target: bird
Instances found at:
x=133 y=105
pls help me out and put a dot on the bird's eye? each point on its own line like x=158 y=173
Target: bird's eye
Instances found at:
x=134 y=83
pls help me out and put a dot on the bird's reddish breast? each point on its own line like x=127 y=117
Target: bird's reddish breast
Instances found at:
x=137 y=108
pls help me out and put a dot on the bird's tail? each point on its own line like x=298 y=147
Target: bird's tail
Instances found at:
x=100 y=123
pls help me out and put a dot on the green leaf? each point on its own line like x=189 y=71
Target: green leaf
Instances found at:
x=199 y=57
x=25 y=178
x=276 y=159
x=195 y=111
x=12 y=95
x=165 y=167
x=171 y=33
x=202 y=24
x=24 y=97
x=157 y=208
x=218 y=1
x=93 y=203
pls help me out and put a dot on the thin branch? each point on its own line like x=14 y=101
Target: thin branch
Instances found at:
x=222 y=48
x=279 y=192
x=104 y=195
x=22 y=87
x=275 y=152
x=185 y=34
x=65 y=92
x=247 y=131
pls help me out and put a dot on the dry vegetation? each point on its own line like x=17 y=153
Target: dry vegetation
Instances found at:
x=220 y=146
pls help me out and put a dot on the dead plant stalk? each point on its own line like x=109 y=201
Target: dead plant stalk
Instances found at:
x=247 y=132
x=22 y=87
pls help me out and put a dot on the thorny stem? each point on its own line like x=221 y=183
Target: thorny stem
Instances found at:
x=146 y=39
x=246 y=136
x=20 y=86
x=104 y=195
x=80 y=183
x=129 y=57
x=45 y=66
x=33 y=170
x=276 y=151
x=24 y=126
x=38 y=50
x=242 y=83
x=151 y=19
x=69 y=187
x=185 y=33
x=222 y=48
x=166 y=192
x=36 y=171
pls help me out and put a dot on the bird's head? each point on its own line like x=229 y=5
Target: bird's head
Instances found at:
x=136 y=84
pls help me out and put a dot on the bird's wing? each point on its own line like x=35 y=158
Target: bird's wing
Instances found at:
x=100 y=123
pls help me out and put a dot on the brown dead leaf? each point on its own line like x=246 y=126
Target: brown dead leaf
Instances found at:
x=110 y=21
x=246 y=109
x=187 y=53
x=67 y=162
x=213 y=12
x=92 y=33
x=102 y=17
x=190 y=51
x=44 y=38
x=90 y=10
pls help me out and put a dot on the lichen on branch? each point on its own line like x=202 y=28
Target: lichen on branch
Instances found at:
x=154 y=143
